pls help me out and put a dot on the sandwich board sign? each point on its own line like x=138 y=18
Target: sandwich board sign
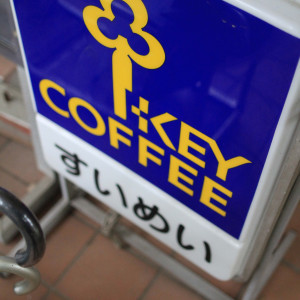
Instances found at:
x=171 y=113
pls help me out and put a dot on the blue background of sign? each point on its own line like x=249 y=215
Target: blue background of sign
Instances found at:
x=226 y=73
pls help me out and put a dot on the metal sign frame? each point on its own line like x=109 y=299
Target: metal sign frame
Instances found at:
x=272 y=249
x=282 y=139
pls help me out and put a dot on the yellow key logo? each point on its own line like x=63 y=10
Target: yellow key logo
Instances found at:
x=123 y=54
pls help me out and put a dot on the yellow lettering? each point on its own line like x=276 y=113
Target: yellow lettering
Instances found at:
x=100 y=127
x=144 y=155
x=47 y=84
x=157 y=123
x=175 y=174
x=223 y=165
x=208 y=194
x=115 y=136
x=185 y=143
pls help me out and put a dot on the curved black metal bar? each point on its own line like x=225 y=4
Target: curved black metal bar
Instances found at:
x=29 y=227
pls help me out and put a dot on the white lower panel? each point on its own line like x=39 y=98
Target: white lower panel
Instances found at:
x=144 y=204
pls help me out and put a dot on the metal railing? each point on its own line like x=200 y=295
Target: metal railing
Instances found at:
x=33 y=235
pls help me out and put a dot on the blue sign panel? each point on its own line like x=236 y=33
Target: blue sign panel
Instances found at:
x=186 y=94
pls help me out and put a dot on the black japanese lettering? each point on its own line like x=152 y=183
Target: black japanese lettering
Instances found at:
x=207 y=252
x=71 y=161
x=180 y=231
x=148 y=213
x=124 y=202
x=97 y=183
